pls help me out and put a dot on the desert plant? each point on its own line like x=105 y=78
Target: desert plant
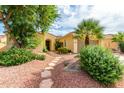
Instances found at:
x=87 y=29
x=16 y=56
x=101 y=64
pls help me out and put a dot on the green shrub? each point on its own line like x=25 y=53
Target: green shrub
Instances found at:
x=63 y=50
x=45 y=50
x=58 y=44
x=121 y=46
x=16 y=56
x=101 y=64
x=40 y=57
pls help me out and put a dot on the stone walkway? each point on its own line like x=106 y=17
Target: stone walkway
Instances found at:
x=46 y=74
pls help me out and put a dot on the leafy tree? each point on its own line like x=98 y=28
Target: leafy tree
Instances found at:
x=87 y=29
x=119 y=37
x=45 y=18
x=23 y=21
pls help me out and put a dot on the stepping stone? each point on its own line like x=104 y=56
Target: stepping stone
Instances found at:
x=58 y=57
x=47 y=83
x=40 y=53
x=55 y=61
x=46 y=74
x=52 y=64
x=49 y=68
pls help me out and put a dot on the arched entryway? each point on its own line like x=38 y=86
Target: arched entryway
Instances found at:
x=48 y=44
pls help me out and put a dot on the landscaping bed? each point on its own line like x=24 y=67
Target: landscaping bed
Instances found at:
x=76 y=79
x=27 y=75
x=17 y=56
x=71 y=79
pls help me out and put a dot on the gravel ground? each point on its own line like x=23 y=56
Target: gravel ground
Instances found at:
x=68 y=79
x=27 y=75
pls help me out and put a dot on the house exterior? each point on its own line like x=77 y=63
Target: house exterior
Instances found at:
x=76 y=44
x=49 y=40
x=68 y=41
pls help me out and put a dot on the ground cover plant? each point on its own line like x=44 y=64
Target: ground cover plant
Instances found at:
x=16 y=56
x=101 y=64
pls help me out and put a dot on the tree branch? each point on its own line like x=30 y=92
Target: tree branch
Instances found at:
x=4 y=20
x=8 y=16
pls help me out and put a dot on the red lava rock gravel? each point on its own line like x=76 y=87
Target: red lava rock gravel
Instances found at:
x=68 y=79
x=27 y=75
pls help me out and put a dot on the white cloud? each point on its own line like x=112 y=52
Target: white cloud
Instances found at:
x=111 y=17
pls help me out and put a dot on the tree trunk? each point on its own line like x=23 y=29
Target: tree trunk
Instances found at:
x=9 y=30
x=87 y=40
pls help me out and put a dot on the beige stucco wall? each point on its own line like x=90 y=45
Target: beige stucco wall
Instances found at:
x=75 y=44
x=107 y=42
x=70 y=42
x=81 y=43
x=52 y=40
x=46 y=36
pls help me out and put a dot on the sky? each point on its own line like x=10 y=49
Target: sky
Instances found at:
x=110 y=17
x=1 y=28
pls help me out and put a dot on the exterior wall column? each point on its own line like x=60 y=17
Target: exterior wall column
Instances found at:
x=75 y=46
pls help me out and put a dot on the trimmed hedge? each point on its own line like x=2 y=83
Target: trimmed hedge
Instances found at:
x=16 y=56
x=101 y=64
x=64 y=50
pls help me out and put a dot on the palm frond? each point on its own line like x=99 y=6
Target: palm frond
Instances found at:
x=90 y=27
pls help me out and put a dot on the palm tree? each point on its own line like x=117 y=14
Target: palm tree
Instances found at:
x=87 y=29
